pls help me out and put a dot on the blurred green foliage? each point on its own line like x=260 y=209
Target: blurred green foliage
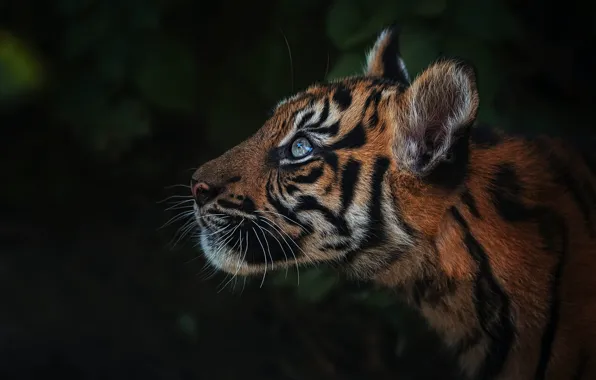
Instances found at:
x=107 y=70
x=118 y=62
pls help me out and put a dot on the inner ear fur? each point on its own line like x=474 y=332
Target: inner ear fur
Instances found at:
x=441 y=102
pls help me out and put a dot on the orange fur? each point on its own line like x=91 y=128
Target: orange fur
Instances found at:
x=490 y=236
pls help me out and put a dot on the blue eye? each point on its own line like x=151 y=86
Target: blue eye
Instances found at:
x=301 y=147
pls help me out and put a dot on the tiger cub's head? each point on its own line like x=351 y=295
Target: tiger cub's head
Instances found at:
x=356 y=172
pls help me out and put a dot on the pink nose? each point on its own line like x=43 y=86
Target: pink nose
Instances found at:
x=198 y=188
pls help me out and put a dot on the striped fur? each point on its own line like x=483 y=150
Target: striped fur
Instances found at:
x=490 y=236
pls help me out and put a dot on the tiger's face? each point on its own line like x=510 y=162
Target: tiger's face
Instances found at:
x=322 y=179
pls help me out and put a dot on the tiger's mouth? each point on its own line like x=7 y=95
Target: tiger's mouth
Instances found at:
x=244 y=245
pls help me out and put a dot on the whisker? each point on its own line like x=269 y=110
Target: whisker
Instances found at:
x=291 y=60
x=284 y=251
x=181 y=204
x=285 y=217
x=175 y=218
x=174 y=197
x=289 y=237
x=185 y=230
x=243 y=285
x=213 y=233
x=239 y=262
x=220 y=230
x=208 y=276
x=326 y=68
x=282 y=232
x=177 y=185
x=267 y=242
x=264 y=255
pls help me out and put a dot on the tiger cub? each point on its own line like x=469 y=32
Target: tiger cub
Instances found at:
x=490 y=236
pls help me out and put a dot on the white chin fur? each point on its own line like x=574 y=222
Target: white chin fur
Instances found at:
x=222 y=259
x=217 y=259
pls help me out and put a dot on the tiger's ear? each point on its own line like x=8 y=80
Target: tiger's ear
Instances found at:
x=384 y=59
x=433 y=112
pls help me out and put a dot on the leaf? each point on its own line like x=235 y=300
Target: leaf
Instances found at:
x=83 y=33
x=119 y=125
x=375 y=299
x=143 y=14
x=351 y=23
x=294 y=7
x=113 y=58
x=99 y=122
x=167 y=76
x=429 y=8
x=284 y=279
x=70 y=8
x=233 y=114
x=80 y=98
x=269 y=59
x=489 y=74
x=501 y=25
x=315 y=284
x=20 y=68
x=343 y=20
x=188 y=324
x=347 y=65
x=419 y=48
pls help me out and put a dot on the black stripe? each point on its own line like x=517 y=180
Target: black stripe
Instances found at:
x=342 y=97
x=264 y=244
x=348 y=183
x=484 y=137
x=305 y=119
x=299 y=165
x=274 y=156
x=311 y=177
x=247 y=205
x=330 y=130
x=470 y=203
x=468 y=342
x=331 y=160
x=335 y=247
x=390 y=60
x=451 y=174
x=280 y=186
x=291 y=189
x=280 y=208
x=505 y=194
x=432 y=289
x=375 y=232
x=375 y=218
x=505 y=191
x=374 y=98
x=323 y=118
x=492 y=306
x=551 y=226
x=310 y=203
x=565 y=178
x=353 y=139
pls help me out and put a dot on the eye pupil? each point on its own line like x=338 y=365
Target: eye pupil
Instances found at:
x=301 y=147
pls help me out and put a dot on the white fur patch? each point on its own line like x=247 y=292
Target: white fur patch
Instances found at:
x=375 y=50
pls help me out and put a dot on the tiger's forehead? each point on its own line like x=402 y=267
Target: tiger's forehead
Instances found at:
x=323 y=104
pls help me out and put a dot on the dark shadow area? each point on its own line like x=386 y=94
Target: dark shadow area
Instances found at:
x=106 y=106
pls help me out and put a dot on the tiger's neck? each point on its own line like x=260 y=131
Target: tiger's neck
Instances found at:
x=447 y=275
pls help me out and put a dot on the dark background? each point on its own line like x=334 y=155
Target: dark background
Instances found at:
x=106 y=106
